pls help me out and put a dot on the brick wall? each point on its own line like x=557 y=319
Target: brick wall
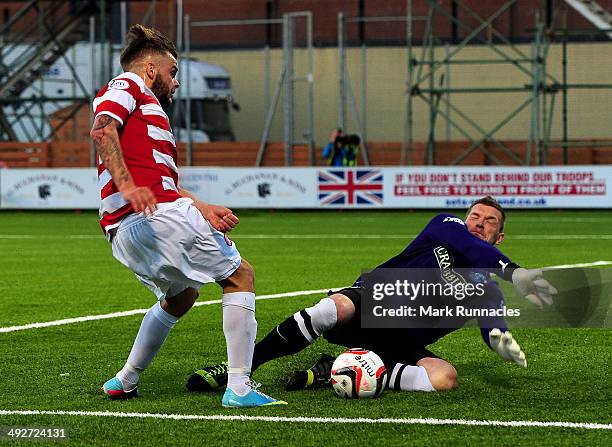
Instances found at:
x=513 y=23
x=77 y=154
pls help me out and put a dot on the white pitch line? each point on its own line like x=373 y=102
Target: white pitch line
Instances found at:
x=17 y=236
x=325 y=236
x=143 y=311
x=559 y=237
x=234 y=237
x=315 y=420
x=412 y=236
x=562 y=219
x=584 y=264
x=207 y=303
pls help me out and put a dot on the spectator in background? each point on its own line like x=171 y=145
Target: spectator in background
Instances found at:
x=342 y=149
x=351 y=149
x=334 y=150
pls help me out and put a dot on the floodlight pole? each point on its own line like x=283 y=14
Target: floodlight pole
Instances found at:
x=406 y=150
x=92 y=42
x=564 y=98
x=288 y=91
x=189 y=152
x=341 y=74
x=310 y=86
x=534 y=129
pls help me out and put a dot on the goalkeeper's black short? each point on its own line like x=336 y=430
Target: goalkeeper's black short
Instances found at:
x=392 y=345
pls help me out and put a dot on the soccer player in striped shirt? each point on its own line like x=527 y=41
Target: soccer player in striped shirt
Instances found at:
x=447 y=243
x=171 y=240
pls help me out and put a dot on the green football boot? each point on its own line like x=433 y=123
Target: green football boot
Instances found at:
x=210 y=378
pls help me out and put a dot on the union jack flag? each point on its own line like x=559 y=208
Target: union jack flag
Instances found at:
x=350 y=187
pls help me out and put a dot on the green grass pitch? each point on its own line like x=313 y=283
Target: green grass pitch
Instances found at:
x=58 y=265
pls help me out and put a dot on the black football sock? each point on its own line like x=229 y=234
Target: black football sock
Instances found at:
x=286 y=338
x=296 y=332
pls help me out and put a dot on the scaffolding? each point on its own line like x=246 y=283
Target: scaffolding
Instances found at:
x=422 y=72
x=284 y=86
x=428 y=80
x=28 y=52
x=563 y=34
x=39 y=37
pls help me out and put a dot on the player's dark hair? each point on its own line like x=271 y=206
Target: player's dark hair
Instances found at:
x=141 y=41
x=490 y=201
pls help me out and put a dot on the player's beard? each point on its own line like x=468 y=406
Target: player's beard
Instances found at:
x=161 y=90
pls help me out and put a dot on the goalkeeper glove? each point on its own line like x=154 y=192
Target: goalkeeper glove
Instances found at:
x=506 y=347
x=533 y=286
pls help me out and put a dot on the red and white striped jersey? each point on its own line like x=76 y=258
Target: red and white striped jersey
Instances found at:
x=147 y=145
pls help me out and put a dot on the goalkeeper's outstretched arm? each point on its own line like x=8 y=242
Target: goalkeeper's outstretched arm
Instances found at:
x=494 y=330
x=452 y=232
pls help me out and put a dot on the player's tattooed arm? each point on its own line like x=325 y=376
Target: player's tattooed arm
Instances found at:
x=106 y=140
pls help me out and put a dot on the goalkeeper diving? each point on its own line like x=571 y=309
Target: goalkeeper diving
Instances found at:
x=468 y=244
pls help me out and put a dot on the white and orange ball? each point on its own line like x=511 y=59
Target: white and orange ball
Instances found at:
x=358 y=373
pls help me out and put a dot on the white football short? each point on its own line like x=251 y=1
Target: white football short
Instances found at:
x=173 y=249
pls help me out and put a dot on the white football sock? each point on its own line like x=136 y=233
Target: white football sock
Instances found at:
x=240 y=329
x=409 y=378
x=315 y=320
x=154 y=329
